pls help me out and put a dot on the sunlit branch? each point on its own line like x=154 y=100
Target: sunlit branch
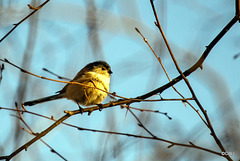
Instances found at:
x=160 y=61
x=54 y=80
x=146 y=110
x=30 y=131
x=190 y=145
x=25 y=18
x=197 y=65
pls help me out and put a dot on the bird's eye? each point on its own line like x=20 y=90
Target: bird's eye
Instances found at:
x=103 y=68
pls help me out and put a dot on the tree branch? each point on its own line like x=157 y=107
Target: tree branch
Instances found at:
x=17 y=24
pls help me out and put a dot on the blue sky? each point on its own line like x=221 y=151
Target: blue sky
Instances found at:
x=61 y=43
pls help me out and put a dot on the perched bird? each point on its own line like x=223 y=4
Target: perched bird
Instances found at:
x=95 y=74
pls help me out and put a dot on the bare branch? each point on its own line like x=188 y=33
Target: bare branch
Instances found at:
x=1 y=71
x=58 y=76
x=17 y=24
x=191 y=145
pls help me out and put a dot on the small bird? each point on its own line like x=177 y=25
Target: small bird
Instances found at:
x=95 y=74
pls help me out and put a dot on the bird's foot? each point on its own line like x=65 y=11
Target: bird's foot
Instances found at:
x=100 y=107
x=80 y=109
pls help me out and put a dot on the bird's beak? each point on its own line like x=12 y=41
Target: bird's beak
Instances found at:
x=110 y=72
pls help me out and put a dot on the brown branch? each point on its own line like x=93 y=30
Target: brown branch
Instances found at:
x=238 y=9
x=141 y=124
x=160 y=61
x=146 y=110
x=1 y=71
x=199 y=64
x=111 y=94
x=30 y=131
x=37 y=137
x=196 y=65
x=17 y=24
x=191 y=145
x=54 y=80
x=165 y=40
x=129 y=101
x=58 y=76
x=66 y=82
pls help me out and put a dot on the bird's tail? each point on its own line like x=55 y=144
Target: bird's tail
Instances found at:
x=44 y=99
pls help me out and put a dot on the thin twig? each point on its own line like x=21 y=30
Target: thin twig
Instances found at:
x=146 y=110
x=151 y=138
x=37 y=137
x=30 y=131
x=58 y=76
x=237 y=3
x=54 y=80
x=115 y=133
x=122 y=101
x=141 y=124
x=197 y=65
x=160 y=61
x=111 y=94
x=1 y=71
x=17 y=24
